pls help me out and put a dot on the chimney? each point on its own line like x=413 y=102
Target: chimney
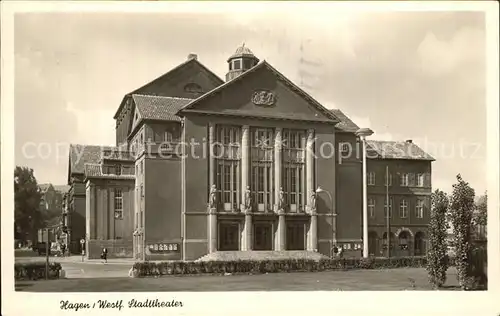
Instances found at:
x=409 y=141
x=192 y=56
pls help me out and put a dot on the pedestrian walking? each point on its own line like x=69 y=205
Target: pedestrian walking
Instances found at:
x=63 y=249
x=104 y=254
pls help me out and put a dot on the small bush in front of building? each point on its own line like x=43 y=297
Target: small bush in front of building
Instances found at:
x=146 y=269
x=36 y=271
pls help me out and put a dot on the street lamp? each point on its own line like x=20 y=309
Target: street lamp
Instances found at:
x=362 y=133
x=321 y=190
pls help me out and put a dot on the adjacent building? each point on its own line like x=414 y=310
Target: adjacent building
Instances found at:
x=203 y=164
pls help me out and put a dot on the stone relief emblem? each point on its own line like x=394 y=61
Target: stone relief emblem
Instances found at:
x=263 y=98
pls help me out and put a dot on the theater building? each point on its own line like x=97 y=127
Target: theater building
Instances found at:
x=203 y=165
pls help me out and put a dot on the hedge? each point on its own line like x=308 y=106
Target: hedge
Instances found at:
x=145 y=269
x=36 y=270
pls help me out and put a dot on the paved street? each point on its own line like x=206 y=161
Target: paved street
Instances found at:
x=94 y=276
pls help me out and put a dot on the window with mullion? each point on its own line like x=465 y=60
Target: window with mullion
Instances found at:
x=228 y=166
x=293 y=168
x=403 y=209
x=262 y=157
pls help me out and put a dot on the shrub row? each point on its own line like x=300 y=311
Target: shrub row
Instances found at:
x=145 y=269
x=35 y=270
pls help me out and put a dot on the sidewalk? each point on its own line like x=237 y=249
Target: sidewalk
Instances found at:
x=78 y=259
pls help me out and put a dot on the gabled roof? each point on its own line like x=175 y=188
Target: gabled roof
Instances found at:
x=168 y=73
x=44 y=187
x=79 y=155
x=345 y=124
x=92 y=170
x=396 y=150
x=262 y=64
x=159 y=108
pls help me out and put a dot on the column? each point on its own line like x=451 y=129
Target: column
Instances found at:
x=245 y=160
x=212 y=216
x=277 y=166
x=212 y=220
x=365 y=202
x=313 y=231
x=309 y=165
x=281 y=231
x=112 y=220
x=246 y=240
x=248 y=233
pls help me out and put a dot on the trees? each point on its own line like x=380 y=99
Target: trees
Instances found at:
x=481 y=216
x=436 y=256
x=27 y=196
x=461 y=211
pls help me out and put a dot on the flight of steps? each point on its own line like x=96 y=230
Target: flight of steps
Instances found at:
x=261 y=255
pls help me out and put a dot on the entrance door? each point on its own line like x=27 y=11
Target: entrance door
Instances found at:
x=295 y=236
x=229 y=237
x=263 y=236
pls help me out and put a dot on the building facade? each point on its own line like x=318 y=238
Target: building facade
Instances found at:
x=204 y=165
x=406 y=180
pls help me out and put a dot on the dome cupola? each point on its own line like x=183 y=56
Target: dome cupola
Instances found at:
x=242 y=60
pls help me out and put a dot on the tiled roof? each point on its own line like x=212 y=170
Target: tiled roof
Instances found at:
x=345 y=124
x=93 y=170
x=159 y=108
x=396 y=150
x=79 y=155
x=167 y=75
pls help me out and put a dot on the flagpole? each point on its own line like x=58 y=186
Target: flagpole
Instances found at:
x=388 y=211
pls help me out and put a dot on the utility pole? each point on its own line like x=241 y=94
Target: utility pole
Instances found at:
x=387 y=212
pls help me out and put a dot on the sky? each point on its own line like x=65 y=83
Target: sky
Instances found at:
x=406 y=75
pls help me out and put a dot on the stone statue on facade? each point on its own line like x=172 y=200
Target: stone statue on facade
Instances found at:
x=248 y=200
x=212 y=198
x=312 y=207
x=281 y=201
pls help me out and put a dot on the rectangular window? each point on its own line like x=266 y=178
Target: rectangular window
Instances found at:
x=167 y=137
x=262 y=157
x=403 y=209
x=293 y=150
x=371 y=207
x=390 y=207
x=371 y=178
x=237 y=65
x=420 y=180
x=419 y=209
x=404 y=180
x=227 y=153
x=118 y=203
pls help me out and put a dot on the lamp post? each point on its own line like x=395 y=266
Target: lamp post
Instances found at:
x=321 y=190
x=362 y=133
